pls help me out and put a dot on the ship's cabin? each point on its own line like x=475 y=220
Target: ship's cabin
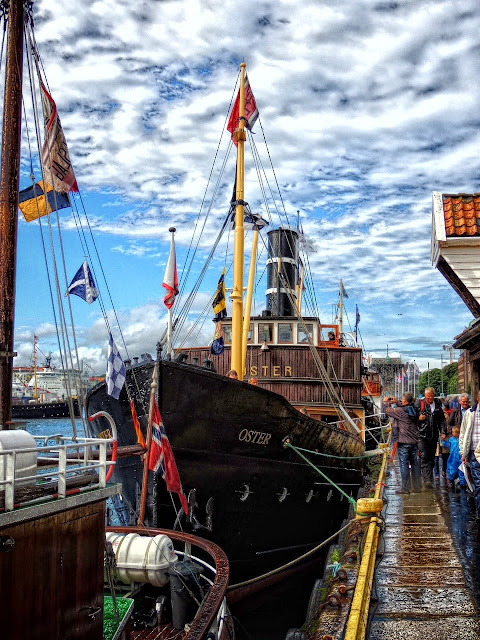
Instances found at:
x=286 y=331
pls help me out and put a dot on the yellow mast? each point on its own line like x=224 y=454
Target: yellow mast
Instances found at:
x=248 y=300
x=237 y=294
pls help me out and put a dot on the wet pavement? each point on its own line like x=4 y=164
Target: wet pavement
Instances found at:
x=427 y=580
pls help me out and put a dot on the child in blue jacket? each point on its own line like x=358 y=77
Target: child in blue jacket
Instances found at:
x=454 y=459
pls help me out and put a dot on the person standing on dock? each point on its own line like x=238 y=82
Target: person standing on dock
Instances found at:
x=469 y=442
x=406 y=420
x=456 y=417
x=454 y=460
x=431 y=423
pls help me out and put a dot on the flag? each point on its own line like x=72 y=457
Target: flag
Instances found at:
x=251 y=111
x=219 y=303
x=33 y=203
x=136 y=425
x=342 y=289
x=357 y=318
x=115 y=376
x=217 y=347
x=161 y=458
x=404 y=375
x=250 y=221
x=170 y=279
x=56 y=164
x=82 y=285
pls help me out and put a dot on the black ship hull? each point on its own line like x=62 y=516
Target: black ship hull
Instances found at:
x=269 y=506
x=59 y=409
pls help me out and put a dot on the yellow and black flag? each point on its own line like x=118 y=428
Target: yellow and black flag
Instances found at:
x=219 y=302
x=34 y=203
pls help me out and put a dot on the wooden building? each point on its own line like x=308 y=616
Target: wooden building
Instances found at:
x=455 y=251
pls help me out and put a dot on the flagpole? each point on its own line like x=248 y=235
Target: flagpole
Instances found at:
x=248 y=302
x=300 y=291
x=237 y=294
x=340 y=313
x=169 y=335
x=143 y=498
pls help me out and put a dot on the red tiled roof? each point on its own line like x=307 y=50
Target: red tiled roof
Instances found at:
x=462 y=214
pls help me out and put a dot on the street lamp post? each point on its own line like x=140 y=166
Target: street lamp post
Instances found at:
x=441 y=369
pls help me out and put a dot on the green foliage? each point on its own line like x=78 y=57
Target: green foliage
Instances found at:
x=335 y=556
x=452 y=386
x=433 y=378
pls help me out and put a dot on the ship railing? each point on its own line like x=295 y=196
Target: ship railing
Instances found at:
x=66 y=460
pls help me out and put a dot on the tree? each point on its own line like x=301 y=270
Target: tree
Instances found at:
x=433 y=378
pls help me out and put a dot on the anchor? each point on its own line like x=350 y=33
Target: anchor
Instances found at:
x=192 y=519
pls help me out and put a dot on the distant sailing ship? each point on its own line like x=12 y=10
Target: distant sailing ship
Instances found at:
x=246 y=491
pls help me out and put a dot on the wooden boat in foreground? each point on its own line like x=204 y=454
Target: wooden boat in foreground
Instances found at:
x=52 y=549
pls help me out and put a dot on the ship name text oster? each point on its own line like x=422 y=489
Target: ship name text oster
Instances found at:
x=255 y=437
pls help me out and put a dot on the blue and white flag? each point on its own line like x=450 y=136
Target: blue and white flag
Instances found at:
x=251 y=221
x=115 y=377
x=83 y=285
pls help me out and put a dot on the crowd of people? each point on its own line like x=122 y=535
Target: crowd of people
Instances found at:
x=434 y=436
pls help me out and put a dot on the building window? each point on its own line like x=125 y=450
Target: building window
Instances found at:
x=250 y=333
x=265 y=332
x=303 y=335
x=285 y=332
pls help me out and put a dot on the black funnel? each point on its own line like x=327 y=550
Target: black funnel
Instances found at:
x=283 y=258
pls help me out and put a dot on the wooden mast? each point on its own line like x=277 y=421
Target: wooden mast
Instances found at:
x=9 y=180
x=237 y=294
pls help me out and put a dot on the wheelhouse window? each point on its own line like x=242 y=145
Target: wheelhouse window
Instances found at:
x=328 y=334
x=285 y=332
x=265 y=332
x=250 y=333
x=303 y=335
x=227 y=333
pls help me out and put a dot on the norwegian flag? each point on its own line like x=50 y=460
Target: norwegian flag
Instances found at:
x=161 y=459
x=170 y=279
x=251 y=111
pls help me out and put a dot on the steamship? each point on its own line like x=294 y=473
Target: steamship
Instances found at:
x=255 y=498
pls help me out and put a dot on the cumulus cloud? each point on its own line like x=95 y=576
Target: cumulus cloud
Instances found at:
x=367 y=108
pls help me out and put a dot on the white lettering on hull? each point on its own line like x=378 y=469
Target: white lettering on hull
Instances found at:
x=255 y=437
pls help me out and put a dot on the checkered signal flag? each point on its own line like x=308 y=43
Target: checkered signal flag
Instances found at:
x=115 y=377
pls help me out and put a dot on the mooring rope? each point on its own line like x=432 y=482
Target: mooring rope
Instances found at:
x=329 y=455
x=288 y=445
x=299 y=559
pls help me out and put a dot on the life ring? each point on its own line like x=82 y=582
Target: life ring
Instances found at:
x=108 y=417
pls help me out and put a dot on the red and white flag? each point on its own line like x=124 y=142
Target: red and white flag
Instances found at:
x=170 y=280
x=251 y=111
x=161 y=459
x=57 y=168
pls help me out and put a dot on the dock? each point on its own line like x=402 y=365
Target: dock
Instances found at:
x=421 y=586
x=418 y=572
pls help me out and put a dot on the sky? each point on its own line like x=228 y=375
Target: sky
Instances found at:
x=367 y=108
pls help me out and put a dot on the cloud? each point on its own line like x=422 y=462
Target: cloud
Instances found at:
x=367 y=108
